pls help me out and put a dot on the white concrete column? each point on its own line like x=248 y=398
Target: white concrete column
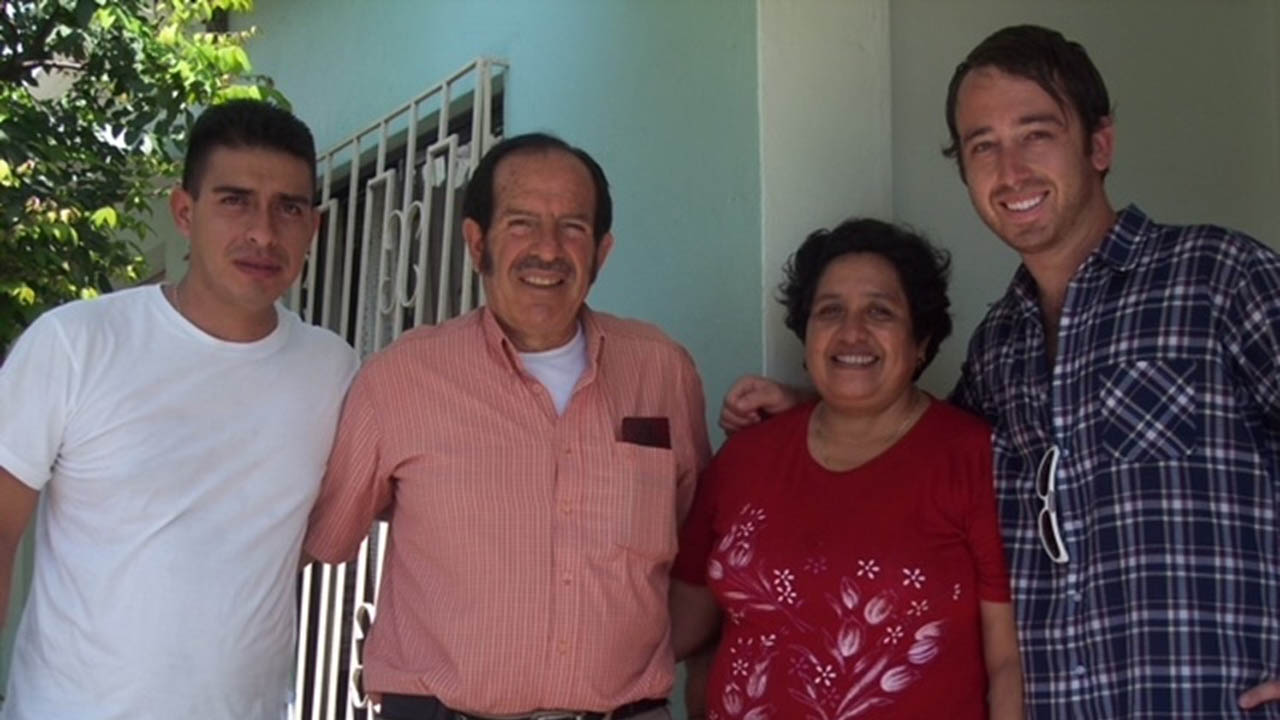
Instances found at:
x=825 y=136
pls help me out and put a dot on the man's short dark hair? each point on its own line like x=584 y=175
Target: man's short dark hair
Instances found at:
x=245 y=124
x=922 y=270
x=1061 y=67
x=478 y=203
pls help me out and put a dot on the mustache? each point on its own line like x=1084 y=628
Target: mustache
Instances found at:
x=531 y=262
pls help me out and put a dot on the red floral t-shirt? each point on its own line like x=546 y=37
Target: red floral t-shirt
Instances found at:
x=848 y=594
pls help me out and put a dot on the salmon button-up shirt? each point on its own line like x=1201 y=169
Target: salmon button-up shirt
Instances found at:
x=528 y=559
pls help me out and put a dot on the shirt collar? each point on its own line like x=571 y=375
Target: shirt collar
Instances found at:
x=1120 y=247
x=1119 y=250
x=500 y=346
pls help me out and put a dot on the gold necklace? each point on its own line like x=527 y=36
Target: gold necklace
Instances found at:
x=913 y=413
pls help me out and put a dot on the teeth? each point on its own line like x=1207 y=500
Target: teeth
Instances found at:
x=855 y=359
x=1025 y=204
x=542 y=281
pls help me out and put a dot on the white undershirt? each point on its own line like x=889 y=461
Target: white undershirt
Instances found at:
x=558 y=369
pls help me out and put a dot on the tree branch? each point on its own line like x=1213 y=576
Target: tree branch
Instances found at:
x=51 y=64
x=33 y=51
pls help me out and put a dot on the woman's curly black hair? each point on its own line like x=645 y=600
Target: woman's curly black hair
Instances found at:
x=922 y=270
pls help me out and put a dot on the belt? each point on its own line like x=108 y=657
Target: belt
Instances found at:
x=427 y=707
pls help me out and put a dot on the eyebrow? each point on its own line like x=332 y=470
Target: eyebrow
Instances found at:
x=231 y=190
x=300 y=199
x=1050 y=118
x=508 y=211
x=875 y=295
x=1033 y=119
x=237 y=190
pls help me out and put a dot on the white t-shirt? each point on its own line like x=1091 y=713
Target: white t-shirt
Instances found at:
x=559 y=369
x=177 y=472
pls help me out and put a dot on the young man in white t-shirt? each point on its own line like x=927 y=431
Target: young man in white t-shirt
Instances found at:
x=171 y=440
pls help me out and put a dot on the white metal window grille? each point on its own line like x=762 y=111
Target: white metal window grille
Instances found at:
x=388 y=256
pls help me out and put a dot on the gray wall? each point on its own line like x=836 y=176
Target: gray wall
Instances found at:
x=1196 y=85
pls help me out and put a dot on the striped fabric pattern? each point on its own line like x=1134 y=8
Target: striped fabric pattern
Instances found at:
x=529 y=553
x=1165 y=405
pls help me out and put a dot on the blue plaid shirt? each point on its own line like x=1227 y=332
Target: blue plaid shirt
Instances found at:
x=1165 y=405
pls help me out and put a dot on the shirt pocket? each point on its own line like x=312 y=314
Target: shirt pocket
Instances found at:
x=1149 y=409
x=648 y=475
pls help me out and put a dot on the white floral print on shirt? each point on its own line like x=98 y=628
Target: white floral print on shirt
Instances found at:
x=872 y=649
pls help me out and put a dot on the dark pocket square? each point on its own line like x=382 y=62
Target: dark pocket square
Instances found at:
x=647 y=431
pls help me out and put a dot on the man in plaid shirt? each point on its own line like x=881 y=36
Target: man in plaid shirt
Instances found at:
x=1130 y=374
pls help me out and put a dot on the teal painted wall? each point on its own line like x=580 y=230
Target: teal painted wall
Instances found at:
x=663 y=94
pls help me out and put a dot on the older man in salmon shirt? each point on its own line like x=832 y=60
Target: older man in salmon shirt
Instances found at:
x=535 y=459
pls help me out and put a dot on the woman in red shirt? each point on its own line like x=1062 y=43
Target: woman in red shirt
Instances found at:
x=850 y=545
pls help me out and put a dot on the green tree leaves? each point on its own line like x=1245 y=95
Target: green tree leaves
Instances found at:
x=96 y=96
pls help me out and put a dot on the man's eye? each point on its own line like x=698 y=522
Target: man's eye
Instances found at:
x=979 y=148
x=233 y=200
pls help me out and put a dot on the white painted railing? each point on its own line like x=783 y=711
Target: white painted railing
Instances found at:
x=389 y=256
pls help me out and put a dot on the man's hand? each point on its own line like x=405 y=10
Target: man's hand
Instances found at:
x=1266 y=692
x=753 y=398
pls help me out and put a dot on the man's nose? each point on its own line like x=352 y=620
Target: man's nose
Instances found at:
x=546 y=243
x=261 y=227
x=1011 y=166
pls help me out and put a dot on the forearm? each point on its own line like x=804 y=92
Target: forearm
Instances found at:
x=695 y=619
x=697 y=672
x=1004 y=691
x=17 y=505
x=6 y=583
x=1004 y=665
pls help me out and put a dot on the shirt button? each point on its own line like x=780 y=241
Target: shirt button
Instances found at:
x=1078 y=671
x=563 y=647
x=568 y=451
x=1077 y=596
x=567 y=580
x=566 y=509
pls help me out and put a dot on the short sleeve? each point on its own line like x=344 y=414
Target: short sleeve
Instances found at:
x=697 y=536
x=37 y=381
x=984 y=532
x=356 y=486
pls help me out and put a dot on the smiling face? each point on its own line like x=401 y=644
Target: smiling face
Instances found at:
x=859 y=346
x=539 y=257
x=250 y=223
x=1033 y=176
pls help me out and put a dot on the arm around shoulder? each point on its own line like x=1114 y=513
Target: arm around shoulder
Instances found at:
x=752 y=398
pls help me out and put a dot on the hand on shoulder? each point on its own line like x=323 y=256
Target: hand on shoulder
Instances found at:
x=753 y=398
